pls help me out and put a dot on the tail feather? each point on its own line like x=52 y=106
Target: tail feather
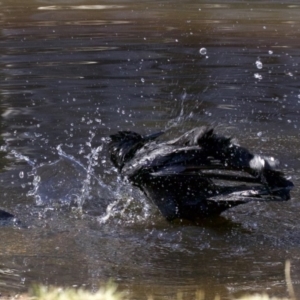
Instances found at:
x=234 y=156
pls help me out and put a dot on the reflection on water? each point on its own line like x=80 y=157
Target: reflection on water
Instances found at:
x=73 y=72
x=83 y=7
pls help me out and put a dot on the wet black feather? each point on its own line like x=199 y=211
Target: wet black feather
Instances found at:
x=197 y=175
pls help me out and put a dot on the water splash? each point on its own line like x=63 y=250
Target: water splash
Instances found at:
x=73 y=183
x=180 y=118
x=67 y=181
x=130 y=206
x=21 y=157
x=35 y=185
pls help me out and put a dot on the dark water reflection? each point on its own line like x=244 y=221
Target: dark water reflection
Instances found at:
x=72 y=72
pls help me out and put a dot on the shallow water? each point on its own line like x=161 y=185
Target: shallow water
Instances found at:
x=73 y=72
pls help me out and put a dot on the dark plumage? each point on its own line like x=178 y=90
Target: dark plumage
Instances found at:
x=197 y=175
x=5 y=215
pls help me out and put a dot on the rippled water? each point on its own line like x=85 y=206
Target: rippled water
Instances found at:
x=73 y=72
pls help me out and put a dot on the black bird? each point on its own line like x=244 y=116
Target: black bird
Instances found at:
x=199 y=174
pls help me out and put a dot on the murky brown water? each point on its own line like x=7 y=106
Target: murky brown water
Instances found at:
x=72 y=72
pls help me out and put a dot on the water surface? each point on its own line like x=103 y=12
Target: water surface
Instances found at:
x=73 y=72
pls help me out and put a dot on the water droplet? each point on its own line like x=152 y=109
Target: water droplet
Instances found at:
x=142 y=80
x=299 y=96
x=21 y=174
x=257 y=76
x=36 y=180
x=270 y=52
x=203 y=51
x=259 y=64
x=259 y=133
x=37 y=198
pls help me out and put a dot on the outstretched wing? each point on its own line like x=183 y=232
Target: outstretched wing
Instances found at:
x=200 y=152
x=197 y=174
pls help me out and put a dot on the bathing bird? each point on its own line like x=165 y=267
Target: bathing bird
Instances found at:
x=197 y=175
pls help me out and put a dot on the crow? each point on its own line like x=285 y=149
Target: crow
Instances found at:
x=197 y=175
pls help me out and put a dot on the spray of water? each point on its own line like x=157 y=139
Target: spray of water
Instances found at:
x=130 y=206
x=74 y=183
x=178 y=119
